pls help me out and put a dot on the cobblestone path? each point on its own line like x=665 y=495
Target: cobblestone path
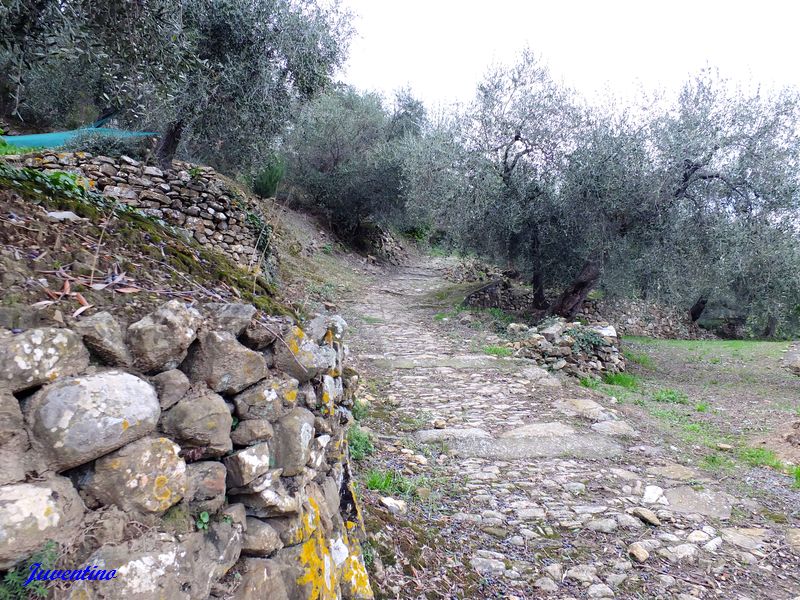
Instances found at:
x=555 y=492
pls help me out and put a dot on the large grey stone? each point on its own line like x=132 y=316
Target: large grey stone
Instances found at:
x=146 y=476
x=205 y=486
x=159 y=341
x=13 y=440
x=554 y=429
x=78 y=419
x=33 y=513
x=260 y=539
x=269 y=399
x=293 y=436
x=300 y=357
x=224 y=364
x=105 y=339
x=200 y=420
x=708 y=502
x=171 y=386
x=245 y=465
x=152 y=567
x=39 y=356
x=261 y=579
x=233 y=318
x=251 y=432
x=326 y=328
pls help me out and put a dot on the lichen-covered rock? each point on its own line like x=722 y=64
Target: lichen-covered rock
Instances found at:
x=251 y=432
x=171 y=386
x=39 y=356
x=105 y=339
x=269 y=399
x=245 y=465
x=326 y=328
x=223 y=363
x=260 y=539
x=146 y=476
x=299 y=356
x=260 y=334
x=33 y=513
x=233 y=318
x=152 y=567
x=13 y=440
x=159 y=341
x=261 y=579
x=211 y=555
x=78 y=419
x=293 y=435
x=205 y=486
x=200 y=420
x=271 y=500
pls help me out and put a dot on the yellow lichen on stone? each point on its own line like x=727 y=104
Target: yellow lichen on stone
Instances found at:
x=319 y=576
x=354 y=572
x=291 y=395
x=125 y=424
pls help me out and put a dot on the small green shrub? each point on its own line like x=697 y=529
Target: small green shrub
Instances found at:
x=202 y=520
x=625 y=380
x=499 y=351
x=359 y=410
x=586 y=340
x=359 y=442
x=590 y=382
x=670 y=395
x=13 y=585
x=760 y=457
x=389 y=482
x=265 y=182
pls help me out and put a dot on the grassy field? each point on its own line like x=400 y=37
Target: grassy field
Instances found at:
x=730 y=399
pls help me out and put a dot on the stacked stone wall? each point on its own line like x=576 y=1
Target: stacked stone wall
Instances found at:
x=189 y=197
x=198 y=453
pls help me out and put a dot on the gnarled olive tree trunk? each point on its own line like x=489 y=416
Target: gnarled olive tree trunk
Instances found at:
x=572 y=299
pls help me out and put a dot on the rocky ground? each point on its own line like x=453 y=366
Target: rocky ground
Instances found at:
x=493 y=479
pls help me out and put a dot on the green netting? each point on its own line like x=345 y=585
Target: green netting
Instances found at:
x=59 y=138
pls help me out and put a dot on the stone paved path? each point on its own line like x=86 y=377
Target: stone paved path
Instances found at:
x=559 y=496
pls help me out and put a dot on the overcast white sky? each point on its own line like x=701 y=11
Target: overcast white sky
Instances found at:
x=441 y=48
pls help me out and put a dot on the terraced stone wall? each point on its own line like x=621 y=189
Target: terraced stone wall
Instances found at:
x=190 y=197
x=199 y=453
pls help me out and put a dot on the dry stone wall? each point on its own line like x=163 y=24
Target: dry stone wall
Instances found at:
x=572 y=348
x=220 y=433
x=190 y=197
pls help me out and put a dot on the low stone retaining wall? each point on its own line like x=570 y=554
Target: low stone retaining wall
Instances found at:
x=573 y=348
x=193 y=198
x=199 y=452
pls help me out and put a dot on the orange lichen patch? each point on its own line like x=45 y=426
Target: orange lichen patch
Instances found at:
x=125 y=424
x=328 y=339
x=115 y=463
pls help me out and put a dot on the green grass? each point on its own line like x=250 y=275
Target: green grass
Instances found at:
x=590 y=382
x=372 y=320
x=795 y=472
x=389 y=482
x=760 y=457
x=499 y=351
x=670 y=395
x=9 y=150
x=359 y=442
x=625 y=380
x=640 y=358
x=12 y=588
x=702 y=407
x=359 y=410
x=717 y=462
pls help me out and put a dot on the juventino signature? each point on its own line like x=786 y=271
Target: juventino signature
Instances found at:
x=91 y=573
